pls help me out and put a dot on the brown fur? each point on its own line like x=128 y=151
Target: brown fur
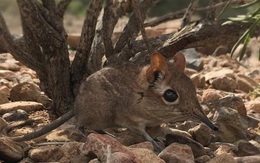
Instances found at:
x=131 y=96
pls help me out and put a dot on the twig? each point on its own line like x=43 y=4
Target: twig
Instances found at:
x=50 y=4
x=138 y=14
x=187 y=16
x=112 y=12
x=178 y=14
x=140 y=46
x=79 y=64
x=38 y=23
x=62 y=6
x=224 y=8
x=14 y=49
x=132 y=28
x=203 y=35
x=97 y=50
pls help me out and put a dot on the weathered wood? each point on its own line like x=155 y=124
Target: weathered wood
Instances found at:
x=179 y=13
x=112 y=12
x=203 y=35
x=200 y=36
x=45 y=39
x=132 y=28
x=79 y=65
x=9 y=45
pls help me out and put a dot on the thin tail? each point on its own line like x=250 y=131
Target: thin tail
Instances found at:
x=49 y=127
x=208 y=123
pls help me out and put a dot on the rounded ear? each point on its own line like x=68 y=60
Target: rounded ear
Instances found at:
x=180 y=61
x=158 y=65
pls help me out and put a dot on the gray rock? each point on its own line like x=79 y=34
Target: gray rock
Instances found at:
x=4 y=94
x=189 y=71
x=223 y=148
x=253 y=74
x=146 y=145
x=118 y=157
x=253 y=105
x=193 y=60
x=9 y=150
x=186 y=125
x=24 y=105
x=219 y=73
x=26 y=160
x=177 y=153
x=7 y=83
x=245 y=148
x=3 y=124
x=7 y=74
x=94 y=161
x=210 y=95
x=197 y=149
x=70 y=152
x=224 y=83
x=202 y=134
x=25 y=92
x=232 y=126
x=15 y=115
x=28 y=92
x=248 y=159
x=198 y=80
x=245 y=83
x=3 y=98
x=223 y=158
x=179 y=132
x=212 y=63
x=202 y=159
x=9 y=66
x=25 y=78
x=101 y=145
x=233 y=102
x=43 y=153
x=255 y=143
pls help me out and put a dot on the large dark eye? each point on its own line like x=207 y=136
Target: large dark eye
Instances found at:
x=170 y=95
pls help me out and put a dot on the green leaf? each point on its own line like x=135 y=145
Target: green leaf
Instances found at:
x=246 y=41
x=240 y=40
x=245 y=37
x=259 y=54
x=227 y=22
x=256 y=12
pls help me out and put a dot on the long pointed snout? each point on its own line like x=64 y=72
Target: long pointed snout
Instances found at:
x=208 y=122
x=200 y=115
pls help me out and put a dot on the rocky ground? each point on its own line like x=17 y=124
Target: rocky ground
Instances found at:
x=229 y=91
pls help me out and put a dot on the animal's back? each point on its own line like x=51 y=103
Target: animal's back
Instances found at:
x=104 y=95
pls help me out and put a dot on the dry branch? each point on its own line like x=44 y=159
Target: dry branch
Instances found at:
x=49 y=4
x=193 y=36
x=138 y=14
x=97 y=51
x=40 y=24
x=45 y=40
x=112 y=12
x=61 y=7
x=132 y=28
x=204 y=36
x=7 y=39
x=79 y=65
x=179 y=14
